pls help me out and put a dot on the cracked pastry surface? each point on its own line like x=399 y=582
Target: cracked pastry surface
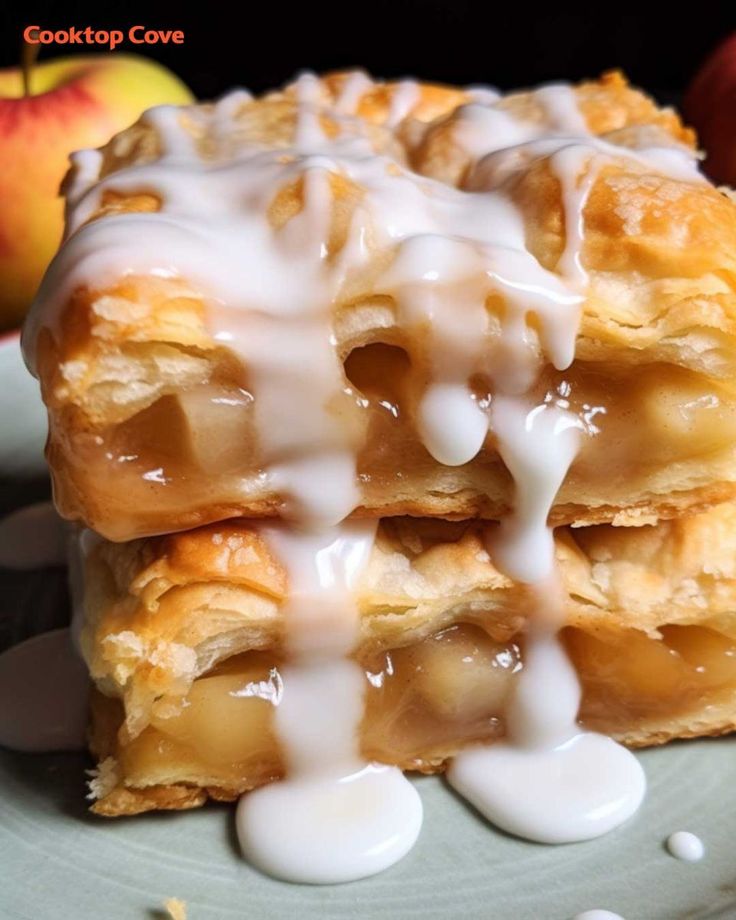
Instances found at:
x=184 y=638
x=154 y=413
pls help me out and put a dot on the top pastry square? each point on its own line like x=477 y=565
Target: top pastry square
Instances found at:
x=334 y=295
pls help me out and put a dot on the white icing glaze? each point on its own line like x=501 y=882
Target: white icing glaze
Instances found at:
x=334 y=818
x=451 y=423
x=549 y=781
x=487 y=95
x=80 y=543
x=552 y=795
x=598 y=914
x=87 y=165
x=44 y=688
x=537 y=445
x=356 y=85
x=32 y=538
x=227 y=106
x=325 y=830
x=405 y=97
x=574 y=167
x=323 y=568
x=685 y=846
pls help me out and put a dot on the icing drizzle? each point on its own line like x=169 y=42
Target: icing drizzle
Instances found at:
x=335 y=817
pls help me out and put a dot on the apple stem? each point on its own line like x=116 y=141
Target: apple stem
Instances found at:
x=28 y=56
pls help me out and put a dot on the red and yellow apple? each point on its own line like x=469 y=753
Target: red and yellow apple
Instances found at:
x=73 y=102
x=710 y=106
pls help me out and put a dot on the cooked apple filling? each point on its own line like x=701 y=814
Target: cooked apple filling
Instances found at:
x=422 y=702
x=196 y=449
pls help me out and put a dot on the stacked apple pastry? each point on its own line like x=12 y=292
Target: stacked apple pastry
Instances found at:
x=323 y=370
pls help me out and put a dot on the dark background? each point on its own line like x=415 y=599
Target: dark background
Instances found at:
x=263 y=44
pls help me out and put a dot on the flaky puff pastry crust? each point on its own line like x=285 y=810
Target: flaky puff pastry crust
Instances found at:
x=122 y=365
x=164 y=611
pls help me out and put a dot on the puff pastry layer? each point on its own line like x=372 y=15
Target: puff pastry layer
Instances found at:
x=153 y=416
x=184 y=638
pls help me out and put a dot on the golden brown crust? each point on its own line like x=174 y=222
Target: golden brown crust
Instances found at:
x=448 y=497
x=125 y=801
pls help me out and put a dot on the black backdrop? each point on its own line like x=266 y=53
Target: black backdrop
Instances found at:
x=262 y=44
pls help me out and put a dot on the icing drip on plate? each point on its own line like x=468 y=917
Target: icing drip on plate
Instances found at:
x=598 y=914
x=685 y=846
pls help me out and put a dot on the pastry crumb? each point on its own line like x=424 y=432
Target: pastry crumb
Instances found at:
x=102 y=779
x=176 y=908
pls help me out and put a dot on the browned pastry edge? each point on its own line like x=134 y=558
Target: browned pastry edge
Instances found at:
x=463 y=505
x=656 y=508
x=125 y=801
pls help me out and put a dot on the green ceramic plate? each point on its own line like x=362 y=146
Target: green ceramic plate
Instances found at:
x=58 y=863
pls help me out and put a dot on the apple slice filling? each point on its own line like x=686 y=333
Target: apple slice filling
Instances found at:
x=424 y=702
x=192 y=454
